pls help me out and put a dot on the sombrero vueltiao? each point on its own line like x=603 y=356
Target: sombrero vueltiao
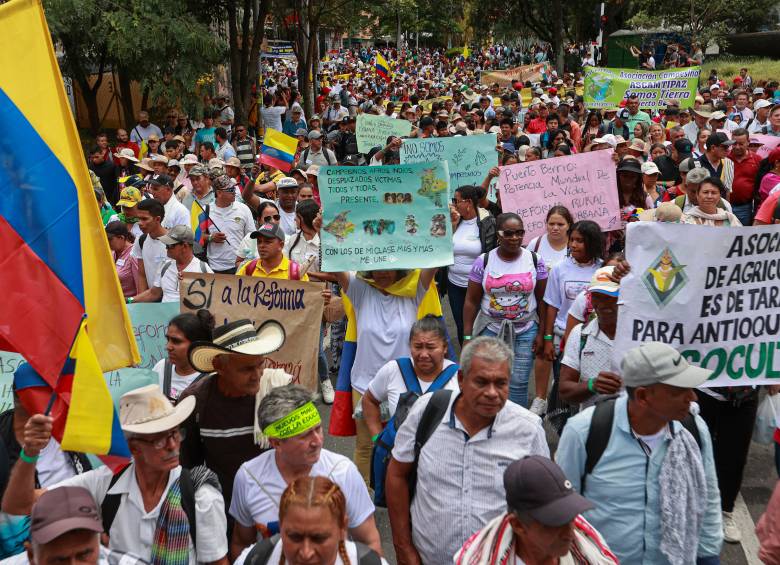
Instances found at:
x=239 y=337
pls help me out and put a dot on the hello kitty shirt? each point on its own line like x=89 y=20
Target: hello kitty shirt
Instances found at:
x=508 y=288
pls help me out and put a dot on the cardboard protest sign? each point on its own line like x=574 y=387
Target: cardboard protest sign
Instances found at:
x=607 y=88
x=585 y=183
x=297 y=305
x=390 y=217
x=373 y=131
x=149 y=321
x=710 y=292
x=469 y=157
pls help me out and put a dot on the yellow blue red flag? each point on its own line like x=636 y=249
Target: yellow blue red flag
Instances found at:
x=382 y=68
x=56 y=265
x=278 y=150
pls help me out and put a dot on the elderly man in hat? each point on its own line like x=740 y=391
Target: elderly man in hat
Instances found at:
x=202 y=192
x=542 y=524
x=153 y=508
x=647 y=463
x=221 y=433
x=291 y=422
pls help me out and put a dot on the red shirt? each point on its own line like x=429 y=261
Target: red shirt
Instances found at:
x=537 y=125
x=766 y=212
x=130 y=145
x=745 y=171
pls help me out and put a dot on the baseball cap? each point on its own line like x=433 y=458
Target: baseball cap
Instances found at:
x=650 y=168
x=609 y=139
x=718 y=138
x=129 y=197
x=654 y=362
x=286 y=182
x=536 y=486
x=684 y=147
x=199 y=171
x=758 y=90
x=602 y=283
x=270 y=231
x=223 y=182
x=715 y=86
x=697 y=175
x=177 y=234
x=233 y=162
x=623 y=114
x=315 y=134
x=762 y=103
x=313 y=170
x=301 y=132
x=718 y=115
x=630 y=165
x=161 y=180
x=62 y=510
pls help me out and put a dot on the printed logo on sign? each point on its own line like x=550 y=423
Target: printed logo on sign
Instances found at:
x=665 y=278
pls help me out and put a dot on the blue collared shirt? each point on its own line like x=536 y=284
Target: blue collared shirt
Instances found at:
x=625 y=491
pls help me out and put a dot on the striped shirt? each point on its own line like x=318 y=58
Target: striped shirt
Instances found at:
x=460 y=485
x=245 y=153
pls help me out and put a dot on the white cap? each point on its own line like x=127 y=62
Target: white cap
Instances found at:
x=650 y=168
x=654 y=362
x=609 y=139
x=762 y=103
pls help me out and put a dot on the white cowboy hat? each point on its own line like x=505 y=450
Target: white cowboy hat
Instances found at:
x=147 y=410
x=239 y=337
x=126 y=153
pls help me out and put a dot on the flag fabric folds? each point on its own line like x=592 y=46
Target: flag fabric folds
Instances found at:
x=278 y=150
x=55 y=263
x=382 y=68
x=200 y=222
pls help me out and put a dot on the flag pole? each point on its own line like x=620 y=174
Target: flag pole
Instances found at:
x=53 y=396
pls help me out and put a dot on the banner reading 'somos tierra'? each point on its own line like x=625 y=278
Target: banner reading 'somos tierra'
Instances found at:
x=606 y=88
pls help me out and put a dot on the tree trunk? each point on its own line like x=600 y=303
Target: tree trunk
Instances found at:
x=125 y=97
x=398 y=27
x=557 y=43
x=245 y=51
x=90 y=100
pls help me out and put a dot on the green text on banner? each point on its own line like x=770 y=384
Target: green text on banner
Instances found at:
x=390 y=217
x=710 y=292
x=373 y=131
x=607 y=88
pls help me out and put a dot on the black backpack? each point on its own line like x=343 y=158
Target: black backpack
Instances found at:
x=261 y=553
x=168 y=377
x=601 y=430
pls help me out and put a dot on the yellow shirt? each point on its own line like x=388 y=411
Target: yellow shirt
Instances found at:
x=282 y=271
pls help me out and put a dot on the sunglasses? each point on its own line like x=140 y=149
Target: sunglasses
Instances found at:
x=275 y=218
x=511 y=233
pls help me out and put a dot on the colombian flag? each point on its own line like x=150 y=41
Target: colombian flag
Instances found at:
x=199 y=222
x=341 y=421
x=382 y=68
x=278 y=150
x=55 y=263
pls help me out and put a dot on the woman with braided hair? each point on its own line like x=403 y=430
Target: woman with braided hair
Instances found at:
x=313 y=527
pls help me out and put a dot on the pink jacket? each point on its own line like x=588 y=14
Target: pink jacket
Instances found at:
x=768 y=531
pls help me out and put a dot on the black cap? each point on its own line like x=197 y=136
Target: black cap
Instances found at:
x=270 y=231
x=684 y=147
x=718 y=138
x=161 y=180
x=536 y=486
x=426 y=121
x=630 y=165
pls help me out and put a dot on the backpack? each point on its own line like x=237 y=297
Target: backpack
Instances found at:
x=325 y=153
x=111 y=502
x=534 y=256
x=168 y=376
x=383 y=447
x=293 y=271
x=601 y=430
x=262 y=550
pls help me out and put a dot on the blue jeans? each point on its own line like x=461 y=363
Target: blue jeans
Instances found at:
x=522 y=364
x=744 y=212
x=457 y=296
x=322 y=362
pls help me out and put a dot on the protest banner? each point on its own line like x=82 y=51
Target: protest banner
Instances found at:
x=149 y=321
x=297 y=305
x=469 y=157
x=769 y=143
x=585 y=183
x=712 y=293
x=389 y=217
x=533 y=73
x=373 y=131
x=606 y=88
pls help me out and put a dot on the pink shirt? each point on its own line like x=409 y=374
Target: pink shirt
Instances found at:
x=127 y=269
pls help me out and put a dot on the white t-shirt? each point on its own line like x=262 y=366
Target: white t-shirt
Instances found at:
x=259 y=485
x=465 y=247
x=272 y=117
x=388 y=384
x=247 y=249
x=383 y=323
x=287 y=221
x=140 y=133
x=578 y=307
x=592 y=359
x=133 y=527
x=551 y=256
x=303 y=250
x=153 y=255
x=169 y=280
x=277 y=554
x=178 y=382
x=567 y=279
x=176 y=214
x=235 y=221
x=53 y=466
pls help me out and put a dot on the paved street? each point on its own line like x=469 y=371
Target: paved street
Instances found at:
x=760 y=478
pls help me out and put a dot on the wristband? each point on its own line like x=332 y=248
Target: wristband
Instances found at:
x=466 y=337
x=548 y=338
x=129 y=300
x=591 y=382
x=375 y=437
x=26 y=458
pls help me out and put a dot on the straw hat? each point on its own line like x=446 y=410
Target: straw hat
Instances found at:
x=126 y=153
x=239 y=337
x=147 y=410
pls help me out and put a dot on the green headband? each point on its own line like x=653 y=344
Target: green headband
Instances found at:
x=295 y=423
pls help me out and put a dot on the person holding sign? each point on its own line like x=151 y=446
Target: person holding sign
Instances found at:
x=291 y=422
x=504 y=299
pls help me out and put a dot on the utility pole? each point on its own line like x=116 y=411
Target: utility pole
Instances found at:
x=600 y=39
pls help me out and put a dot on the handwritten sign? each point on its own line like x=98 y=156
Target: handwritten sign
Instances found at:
x=586 y=184
x=373 y=131
x=297 y=305
x=769 y=143
x=390 y=217
x=469 y=157
x=711 y=293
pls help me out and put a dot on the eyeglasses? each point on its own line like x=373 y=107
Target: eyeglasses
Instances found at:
x=160 y=442
x=457 y=201
x=275 y=218
x=511 y=233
